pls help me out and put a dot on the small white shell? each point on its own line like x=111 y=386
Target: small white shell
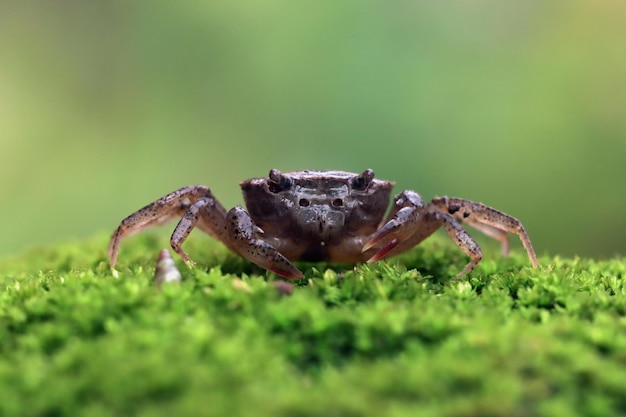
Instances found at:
x=166 y=270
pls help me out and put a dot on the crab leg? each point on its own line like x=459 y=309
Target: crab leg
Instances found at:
x=243 y=237
x=195 y=204
x=207 y=216
x=497 y=234
x=464 y=241
x=490 y=221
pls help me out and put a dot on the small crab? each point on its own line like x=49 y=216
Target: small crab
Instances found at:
x=333 y=216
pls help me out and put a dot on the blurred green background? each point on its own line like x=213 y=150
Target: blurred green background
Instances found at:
x=105 y=106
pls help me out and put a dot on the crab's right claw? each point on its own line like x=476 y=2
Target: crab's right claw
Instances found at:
x=244 y=238
x=266 y=256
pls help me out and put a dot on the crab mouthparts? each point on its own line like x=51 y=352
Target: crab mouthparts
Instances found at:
x=322 y=221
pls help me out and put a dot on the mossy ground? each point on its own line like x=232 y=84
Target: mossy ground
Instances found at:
x=397 y=338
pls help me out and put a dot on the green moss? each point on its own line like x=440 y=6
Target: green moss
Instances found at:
x=391 y=338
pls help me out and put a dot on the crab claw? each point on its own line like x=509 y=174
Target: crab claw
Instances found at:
x=384 y=251
x=266 y=256
x=391 y=234
x=244 y=238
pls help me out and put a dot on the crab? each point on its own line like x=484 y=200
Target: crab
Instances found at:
x=333 y=216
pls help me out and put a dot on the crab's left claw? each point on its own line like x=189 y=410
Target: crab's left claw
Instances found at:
x=384 y=251
x=243 y=236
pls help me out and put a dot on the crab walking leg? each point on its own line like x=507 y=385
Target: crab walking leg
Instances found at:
x=166 y=208
x=487 y=220
x=497 y=234
x=464 y=241
x=244 y=239
x=207 y=215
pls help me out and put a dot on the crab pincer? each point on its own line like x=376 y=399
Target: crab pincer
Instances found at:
x=391 y=234
x=245 y=236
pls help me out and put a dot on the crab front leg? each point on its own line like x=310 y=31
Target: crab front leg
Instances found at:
x=195 y=204
x=246 y=239
x=411 y=222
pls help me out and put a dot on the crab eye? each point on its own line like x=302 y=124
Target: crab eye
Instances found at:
x=278 y=181
x=361 y=182
x=304 y=202
x=273 y=187
x=337 y=202
x=275 y=175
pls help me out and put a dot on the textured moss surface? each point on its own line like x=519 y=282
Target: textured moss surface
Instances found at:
x=392 y=338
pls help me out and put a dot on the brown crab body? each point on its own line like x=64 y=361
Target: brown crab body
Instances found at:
x=317 y=215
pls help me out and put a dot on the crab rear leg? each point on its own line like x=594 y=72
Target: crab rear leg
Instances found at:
x=245 y=239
